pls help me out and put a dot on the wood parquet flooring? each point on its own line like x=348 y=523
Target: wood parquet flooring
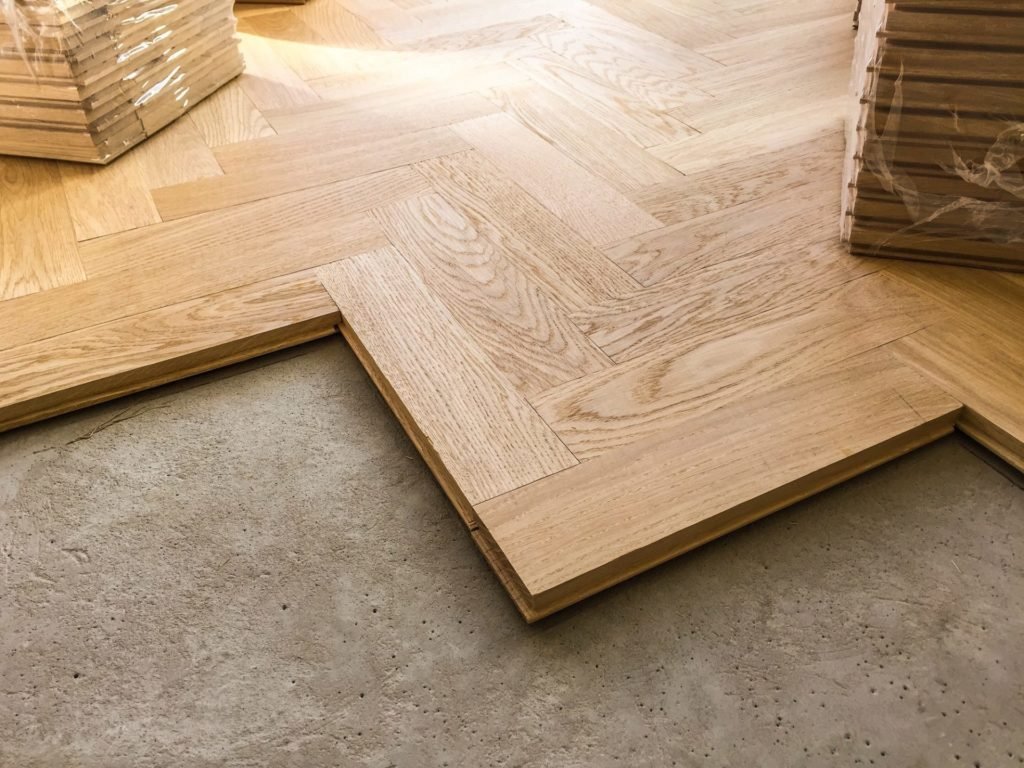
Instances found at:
x=587 y=250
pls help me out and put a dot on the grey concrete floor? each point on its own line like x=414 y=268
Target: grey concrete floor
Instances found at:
x=254 y=568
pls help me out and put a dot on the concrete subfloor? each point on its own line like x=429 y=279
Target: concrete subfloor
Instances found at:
x=254 y=568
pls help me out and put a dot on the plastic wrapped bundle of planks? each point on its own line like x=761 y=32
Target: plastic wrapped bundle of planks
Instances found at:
x=87 y=80
x=935 y=139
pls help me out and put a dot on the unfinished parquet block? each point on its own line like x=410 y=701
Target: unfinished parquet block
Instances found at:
x=585 y=249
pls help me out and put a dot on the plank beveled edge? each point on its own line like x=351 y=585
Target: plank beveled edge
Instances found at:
x=305 y=313
x=934 y=415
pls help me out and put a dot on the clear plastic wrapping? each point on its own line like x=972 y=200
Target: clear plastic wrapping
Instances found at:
x=935 y=160
x=88 y=79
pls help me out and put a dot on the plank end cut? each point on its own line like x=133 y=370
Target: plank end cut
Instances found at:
x=568 y=536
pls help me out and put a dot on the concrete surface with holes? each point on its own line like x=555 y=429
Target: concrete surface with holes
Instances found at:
x=254 y=567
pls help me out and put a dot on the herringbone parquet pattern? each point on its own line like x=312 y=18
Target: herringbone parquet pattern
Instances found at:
x=587 y=249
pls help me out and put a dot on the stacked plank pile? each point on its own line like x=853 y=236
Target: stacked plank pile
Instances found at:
x=935 y=161
x=86 y=80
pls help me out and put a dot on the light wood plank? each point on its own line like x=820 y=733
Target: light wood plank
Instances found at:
x=366 y=119
x=805 y=213
x=579 y=531
x=115 y=198
x=725 y=295
x=982 y=370
x=268 y=81
x=95 y=364
x=37 y=239
x=690 y=25
x=753 y=137
x=529 y=337
x=502 y=32
x=620 y=111
x=597 y=212
x=488 y=437
x=258 y=177
x=229 y=116
x=659 y=85
x=602 y=151
x=660 y=389
x=571 y=271
x=739 y=182
x=152 y=267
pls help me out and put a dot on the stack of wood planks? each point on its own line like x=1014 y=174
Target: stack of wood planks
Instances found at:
x=85 y=80
x=935 y=160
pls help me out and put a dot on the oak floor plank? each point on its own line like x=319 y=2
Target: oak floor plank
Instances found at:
x=258 y=176
x=502 y=32
x=228 y=116
x=489 y=438
x=268 y=81
x=659 y=85
x=623 y=112
x=742 y=181
x=529 y=337
x=571 y=271
x=91 y=365
x=592 y=208
x=367 y=119
x=806 y=212
x=724 y=295
x=182 y=260
x=338 y=26
x=37 y=238
x=982 y=370
x=581 y=530
x=662 y=388
x=303 y=48
x=602 y=151
x=116 y=197
x=751 y=138
x=678 y=24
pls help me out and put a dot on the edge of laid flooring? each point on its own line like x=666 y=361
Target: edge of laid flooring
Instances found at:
x=992 y=436
x=94 y=365
x=660 y=552
x=491 y=553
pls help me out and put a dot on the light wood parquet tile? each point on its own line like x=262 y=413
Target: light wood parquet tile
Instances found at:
x=587 y=250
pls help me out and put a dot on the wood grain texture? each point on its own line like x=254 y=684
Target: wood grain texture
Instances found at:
x=581 y=530
x=116 y=198
x=229 y=116
x=37 y=243
x=742 y=181
x=573 y=273
x=618 y=110
x=529 y=337
x=268 y=81
x=662 y=388
x=751 y=138
x=593 y=209
x=984 y=371
x=803 y=213
x=260 y=177
x=92 y=365
x=178 y=261
x=725 y=295
x=488 y=437
x=602 y=151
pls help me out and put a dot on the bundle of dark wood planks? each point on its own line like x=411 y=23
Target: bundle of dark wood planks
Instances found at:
x=86 y=80
x=935 y=160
